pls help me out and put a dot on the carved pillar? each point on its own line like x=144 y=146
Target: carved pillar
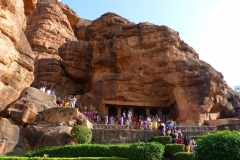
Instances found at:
x=119 y=111
x=105 y=110
x=148 y=111
x=160 y=113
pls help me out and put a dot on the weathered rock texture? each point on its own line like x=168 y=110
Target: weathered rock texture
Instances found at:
x=48 y=27
x=145 y=65
x=45 y=123
x=46 y=134
x=16 y=57
x=9 y=135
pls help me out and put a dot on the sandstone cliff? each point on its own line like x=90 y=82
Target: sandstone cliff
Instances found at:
x=16 y=57
x=145 y=65
x=109 y=62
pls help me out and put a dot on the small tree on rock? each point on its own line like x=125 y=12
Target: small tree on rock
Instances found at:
x=81 y=134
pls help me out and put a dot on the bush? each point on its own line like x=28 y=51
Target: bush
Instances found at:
x=82 y=150
x=79 y=158
x=171 y=149
x=81 y=134
x=222 y=144
x=183 y=156
x=145 y=151
x=162 y=139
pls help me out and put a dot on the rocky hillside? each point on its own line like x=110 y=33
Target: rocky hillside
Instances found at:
x=108 y=61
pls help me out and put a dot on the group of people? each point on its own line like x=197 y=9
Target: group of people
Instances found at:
x=72 y=102
x=48 y=91
x=168 y=129
x=165 y=128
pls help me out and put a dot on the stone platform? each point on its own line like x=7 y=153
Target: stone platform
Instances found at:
x=119 y=134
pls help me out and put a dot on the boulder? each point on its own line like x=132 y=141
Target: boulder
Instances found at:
x=63 y=116
x=30 y=105
x=46 y=134
x=10 y=135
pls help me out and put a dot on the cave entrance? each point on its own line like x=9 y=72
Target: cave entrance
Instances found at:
x=165 y=114
x=112 y=111
x=124 y=109
x=139 y=111
x=153 y=111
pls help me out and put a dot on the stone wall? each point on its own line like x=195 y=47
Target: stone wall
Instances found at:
x=197 y=130
x=219 y=122
x=234 y=126
x=118 y=134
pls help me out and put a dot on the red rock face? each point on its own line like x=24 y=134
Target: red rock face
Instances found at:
x=145 y=65
x=16 y=57
x=118 y=63
x=48 y=28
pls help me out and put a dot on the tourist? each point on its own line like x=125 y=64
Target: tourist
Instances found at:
x=74 y=100
x=121 y=120
x=52 y=92
x=106 y=119
x=163 y=124
x=85 y=110
x=170 y=126
x=168 y=132
x=129 y=117
x=124 y=116
x=173 y=135
x=66 y=104
x=134 y=121
x=96 y=117
x=149 y=126
x=79 y=107
x=186 y=142
x=63 y=103
x=161 y=130
x=179 y=132
x=179 y=140
x=192 y=145
x=49 y=91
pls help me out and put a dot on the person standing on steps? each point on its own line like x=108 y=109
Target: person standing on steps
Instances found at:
x=74 y=100
x=129 y=117
x=124 y=117
x=106 y=119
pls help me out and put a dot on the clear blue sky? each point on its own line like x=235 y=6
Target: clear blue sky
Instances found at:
x=211 y=27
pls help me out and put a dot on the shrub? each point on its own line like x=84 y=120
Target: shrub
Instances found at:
x=145 y=151
x=81 y=134
x=171 y=149
x=82 y=150
x=183 y=156
x=162 y=139
x=222 y=144
x=79 y=158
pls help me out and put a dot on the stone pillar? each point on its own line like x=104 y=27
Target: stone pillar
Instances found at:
x=105 y=110
x=119 y=112
x=131 y=109
x=148 y=111
x=160 y=114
